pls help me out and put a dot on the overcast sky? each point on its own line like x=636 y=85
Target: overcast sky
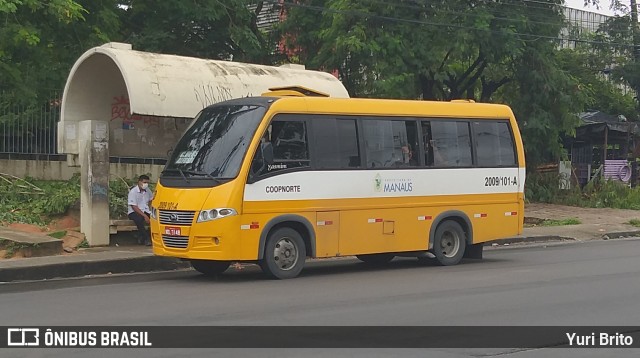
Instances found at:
x=579 y=4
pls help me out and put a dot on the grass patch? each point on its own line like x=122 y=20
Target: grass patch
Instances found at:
x=58 y=234
x=562 y=222
x=84 y=244
x=634 y=222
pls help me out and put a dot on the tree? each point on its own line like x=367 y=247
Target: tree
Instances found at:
x=500 y=51
x=208 y=29
x=620 y=37
x=42 y=39
x=27 y=47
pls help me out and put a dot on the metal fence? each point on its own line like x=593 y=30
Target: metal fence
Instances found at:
x=30 y=129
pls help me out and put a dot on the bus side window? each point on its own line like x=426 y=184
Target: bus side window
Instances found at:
x=494 y=144
x=290 y=140
x=289 y=145
x=335 y=143
x=451 y=143
x=390 y=143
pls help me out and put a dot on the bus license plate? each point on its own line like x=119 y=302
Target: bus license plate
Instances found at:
x=173 y=231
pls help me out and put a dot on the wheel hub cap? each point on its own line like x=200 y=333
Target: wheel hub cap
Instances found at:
x=285 y=254
x=450 y=244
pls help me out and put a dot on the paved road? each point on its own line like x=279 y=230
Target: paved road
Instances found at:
x=592 y=283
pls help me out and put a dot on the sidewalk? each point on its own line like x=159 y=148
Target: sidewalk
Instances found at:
x=596 y=224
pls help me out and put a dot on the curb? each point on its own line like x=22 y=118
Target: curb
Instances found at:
x=620 y=234
x=98 y=267
x=530 y=239
x=152 y=263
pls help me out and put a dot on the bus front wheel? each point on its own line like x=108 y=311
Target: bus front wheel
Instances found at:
x=284 y=254
x=449 y=243
x=210 y=268
x=375 y=259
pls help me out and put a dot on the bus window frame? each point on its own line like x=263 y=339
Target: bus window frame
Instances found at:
x=310 y=118
x=253 y=178
x=513 y=142
x=314 y=118
x=471 y=140
x=363 y=154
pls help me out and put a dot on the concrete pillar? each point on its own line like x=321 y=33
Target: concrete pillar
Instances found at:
x=93 y=146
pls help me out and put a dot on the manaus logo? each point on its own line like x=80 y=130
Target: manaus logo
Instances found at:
x=377 y=183
x=392 y=185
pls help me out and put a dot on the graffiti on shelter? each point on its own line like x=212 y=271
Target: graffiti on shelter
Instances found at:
x=121 y=110
x=207 y=95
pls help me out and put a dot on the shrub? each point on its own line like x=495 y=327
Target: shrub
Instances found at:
x=36 y=201
x=544 y=188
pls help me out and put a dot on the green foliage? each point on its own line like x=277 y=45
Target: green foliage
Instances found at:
x=31 y=201
x=33 y=54
x=208 y=29
x=118 y=192
x=545 y=101
x=118 y=195
x=544 y=188
x=58 y=234
x=615 y=40
x=36 y=201
x=59 y=196
x=40 y=40
x=490 y=51
x=561 y=222
x=431 y=50
x=634 y=222
x=586 y=67
x=501 y=51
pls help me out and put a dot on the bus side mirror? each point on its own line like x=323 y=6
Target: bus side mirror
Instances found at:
x=266 y=149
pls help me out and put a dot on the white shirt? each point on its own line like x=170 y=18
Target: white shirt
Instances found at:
x=140 y=198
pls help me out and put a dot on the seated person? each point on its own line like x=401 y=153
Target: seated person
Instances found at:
x=407 y=156
x=138 y=210
x=439 y=158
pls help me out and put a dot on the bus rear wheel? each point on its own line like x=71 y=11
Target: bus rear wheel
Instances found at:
x=449 y=243
x=210 y=268
x=376 y=259
x=284 y=254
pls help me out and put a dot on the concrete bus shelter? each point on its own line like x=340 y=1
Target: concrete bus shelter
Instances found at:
x=125 y=103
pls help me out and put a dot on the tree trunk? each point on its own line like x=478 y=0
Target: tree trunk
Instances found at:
x=426 y=87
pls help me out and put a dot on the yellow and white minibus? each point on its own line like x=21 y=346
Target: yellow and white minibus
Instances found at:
x=294 y=174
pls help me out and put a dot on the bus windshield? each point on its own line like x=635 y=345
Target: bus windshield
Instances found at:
x=213 y=148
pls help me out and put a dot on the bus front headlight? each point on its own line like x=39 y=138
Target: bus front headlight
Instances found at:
x=213 y=214
x=154 y=213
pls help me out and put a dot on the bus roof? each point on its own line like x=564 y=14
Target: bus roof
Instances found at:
x=389 y=107
x=376 y=107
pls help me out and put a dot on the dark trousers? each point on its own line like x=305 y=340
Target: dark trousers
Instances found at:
x=143 y=234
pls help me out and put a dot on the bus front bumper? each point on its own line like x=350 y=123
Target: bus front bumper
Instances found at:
x=222 y=240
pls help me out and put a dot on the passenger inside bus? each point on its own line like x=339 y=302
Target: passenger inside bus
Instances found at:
x=439 y=157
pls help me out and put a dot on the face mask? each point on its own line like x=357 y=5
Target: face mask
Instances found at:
x=145 y=186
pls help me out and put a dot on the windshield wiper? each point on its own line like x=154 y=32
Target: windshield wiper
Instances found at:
x=179 y=171
x=202 y=174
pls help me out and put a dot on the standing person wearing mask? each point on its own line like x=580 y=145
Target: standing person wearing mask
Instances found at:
x=138 y=210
